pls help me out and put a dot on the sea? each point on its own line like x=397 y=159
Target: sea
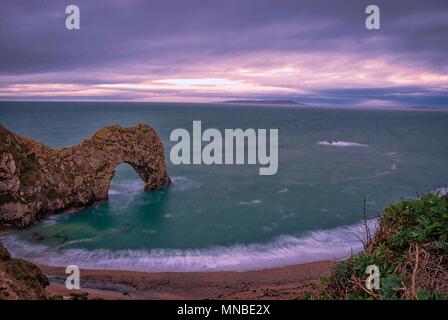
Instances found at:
x=338 y=167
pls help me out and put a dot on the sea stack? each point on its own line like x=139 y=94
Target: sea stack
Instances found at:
x=36 y=180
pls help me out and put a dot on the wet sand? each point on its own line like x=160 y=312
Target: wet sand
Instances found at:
x=277 y=283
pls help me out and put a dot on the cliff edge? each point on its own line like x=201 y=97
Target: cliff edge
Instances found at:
x=20 y=279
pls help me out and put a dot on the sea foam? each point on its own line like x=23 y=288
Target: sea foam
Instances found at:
x=335 y=143
x=126 y=187
x=338 y=243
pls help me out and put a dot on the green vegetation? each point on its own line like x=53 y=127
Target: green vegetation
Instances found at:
x=53 y=194
x=29 y=169
x=410 y=248
x=101 y=168
x=6 y=198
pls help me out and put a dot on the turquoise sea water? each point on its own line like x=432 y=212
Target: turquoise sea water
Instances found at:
x=229 y=217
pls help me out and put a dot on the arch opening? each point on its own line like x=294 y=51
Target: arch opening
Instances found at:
x=125 y=181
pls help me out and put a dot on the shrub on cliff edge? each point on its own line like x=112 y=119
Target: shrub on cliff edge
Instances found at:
x=410 y=248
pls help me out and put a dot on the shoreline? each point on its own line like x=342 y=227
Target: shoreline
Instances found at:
x=283 y=283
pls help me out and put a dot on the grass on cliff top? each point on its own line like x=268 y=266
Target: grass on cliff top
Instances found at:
x=410 y=248
x=23 y=154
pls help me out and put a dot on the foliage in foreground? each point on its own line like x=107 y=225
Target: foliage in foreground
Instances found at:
x=410 y=248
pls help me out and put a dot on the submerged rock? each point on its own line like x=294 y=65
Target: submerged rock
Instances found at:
x=36 y=180
x=36 y=237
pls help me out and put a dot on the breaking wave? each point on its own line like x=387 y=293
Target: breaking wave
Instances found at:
x=131 y=187
x=338 y=243
x=248 y=203
x=182 y=183
x=126 y=187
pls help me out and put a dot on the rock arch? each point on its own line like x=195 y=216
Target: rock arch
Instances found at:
x=114 y=183
x=36 y=180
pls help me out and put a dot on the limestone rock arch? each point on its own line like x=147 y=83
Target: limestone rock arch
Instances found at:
x=36 y=180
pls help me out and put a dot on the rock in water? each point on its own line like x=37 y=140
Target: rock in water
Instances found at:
x=36 y=180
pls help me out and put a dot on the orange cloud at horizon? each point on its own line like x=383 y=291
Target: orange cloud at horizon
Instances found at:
x=263 y=73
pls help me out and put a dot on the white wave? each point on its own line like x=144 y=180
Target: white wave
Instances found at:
x=269 y=228
x=135 y=186
x=289 y=215
x=77 y=241
x=392 y=154
x=54 y=219
x=126 y=187
x=396 y=160
x=336 y=143
x=382 y=173
x=283 y=190
x=149 y=231
x=285 y=250
x=182 y=183
x=248 y=203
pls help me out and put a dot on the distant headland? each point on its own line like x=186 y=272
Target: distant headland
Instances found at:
x=267 y=102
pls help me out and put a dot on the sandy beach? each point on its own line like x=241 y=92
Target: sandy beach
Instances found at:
x=277 y=283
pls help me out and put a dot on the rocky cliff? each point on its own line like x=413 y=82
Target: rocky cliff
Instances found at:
x=20 y=279
x=36 y=180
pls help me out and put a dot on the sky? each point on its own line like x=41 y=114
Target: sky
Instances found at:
x=310 y=51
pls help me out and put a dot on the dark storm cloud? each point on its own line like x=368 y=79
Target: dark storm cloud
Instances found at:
x=33 y=37
x=161 y=37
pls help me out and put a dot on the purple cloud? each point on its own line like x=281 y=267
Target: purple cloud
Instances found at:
x=182 y=50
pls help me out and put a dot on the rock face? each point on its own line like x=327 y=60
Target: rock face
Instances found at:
x=36 y=180
x=20 y=279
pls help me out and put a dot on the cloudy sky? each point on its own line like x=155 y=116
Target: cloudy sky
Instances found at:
x=316 y=52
